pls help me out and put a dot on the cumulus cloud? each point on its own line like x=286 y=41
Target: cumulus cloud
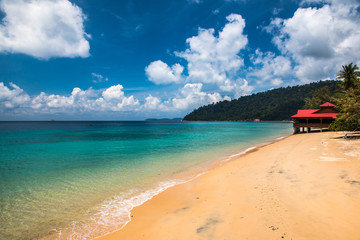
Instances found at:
x=12 y=98
x=160 y=73
x=78 y=100
x=110 y=99
x=319 y=40
x=215 y=60
x=189 y=97
x=152 y=103
x=43 y=29
x=212 y=60
x=276 y=82
x=269 y=68
x=113 y=92
x=192 y=97
x=242 y=88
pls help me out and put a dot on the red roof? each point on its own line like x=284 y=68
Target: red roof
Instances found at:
x=314 y=113
x=327 y=104
x=311 y=113
x=304 y=113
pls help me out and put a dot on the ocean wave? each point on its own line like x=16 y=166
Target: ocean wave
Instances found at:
x=114 y=213
x=231 y=157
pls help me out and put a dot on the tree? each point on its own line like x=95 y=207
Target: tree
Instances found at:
x=349 y=76
x=319 y=96
x=349 y=105
x=275 y=104
x=349 y=115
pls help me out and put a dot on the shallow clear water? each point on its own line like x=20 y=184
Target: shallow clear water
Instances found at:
x=76 y=180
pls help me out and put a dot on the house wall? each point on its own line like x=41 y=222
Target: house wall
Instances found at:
x=327 y=110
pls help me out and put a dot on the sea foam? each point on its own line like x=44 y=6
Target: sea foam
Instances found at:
x=114 y=213
x=89 y=163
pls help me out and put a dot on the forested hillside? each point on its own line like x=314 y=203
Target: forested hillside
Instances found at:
x=276 y=104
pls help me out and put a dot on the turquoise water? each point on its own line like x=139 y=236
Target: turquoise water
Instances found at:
x=78 y=180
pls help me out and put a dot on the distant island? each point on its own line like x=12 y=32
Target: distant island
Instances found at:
x=163 y=120
x=272 y=105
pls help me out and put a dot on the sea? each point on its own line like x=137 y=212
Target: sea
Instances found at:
x=80 y=180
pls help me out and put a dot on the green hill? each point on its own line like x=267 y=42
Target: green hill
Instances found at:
x=276 y=104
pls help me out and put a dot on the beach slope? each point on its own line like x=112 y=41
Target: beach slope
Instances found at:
x=306 y=186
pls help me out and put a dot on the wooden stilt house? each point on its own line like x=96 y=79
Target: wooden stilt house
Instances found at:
x=314 y=118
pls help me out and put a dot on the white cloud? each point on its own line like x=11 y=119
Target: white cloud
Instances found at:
x=276 y=82
x=269 y=68
x=12 y=98
x=215 y=60
x=15 y=100
x=192 y=97
x=97 y=78
x=128 y=103
x=242 y=88
x=114 y=99
x=78 y=100
x=212 y=60
x=152 y=103
x=43 y=29
x=160 y=73
x=113 y=92
x=320 y=40
x=90 y=100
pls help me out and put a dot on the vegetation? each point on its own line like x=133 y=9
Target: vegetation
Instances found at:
x=349 y=76
x=276 y=104
x=282 y=103
x=319 y=96
x=349 y=103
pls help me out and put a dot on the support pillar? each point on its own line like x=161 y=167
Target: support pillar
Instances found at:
x=296 y=130
x=307 y=123
x=320 y=124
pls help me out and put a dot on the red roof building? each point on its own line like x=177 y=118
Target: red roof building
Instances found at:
x=314 y=118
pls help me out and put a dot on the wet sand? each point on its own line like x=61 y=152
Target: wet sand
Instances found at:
x=306 y=186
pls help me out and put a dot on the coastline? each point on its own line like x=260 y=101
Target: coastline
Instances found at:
x=186 y=177
x=98 y=173
x=270 y=192
x=114 y=213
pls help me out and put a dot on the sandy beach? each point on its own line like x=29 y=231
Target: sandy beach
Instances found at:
x=306 y=186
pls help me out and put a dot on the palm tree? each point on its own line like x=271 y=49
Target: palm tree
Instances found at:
x=349 y=75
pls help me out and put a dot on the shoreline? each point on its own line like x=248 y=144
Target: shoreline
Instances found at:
x=132 y=202
x=178 y=193
x=191 y=176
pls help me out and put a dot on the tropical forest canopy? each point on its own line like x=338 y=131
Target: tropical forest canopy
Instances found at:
x=282 y=103
x=276 y=104
x=347 y=99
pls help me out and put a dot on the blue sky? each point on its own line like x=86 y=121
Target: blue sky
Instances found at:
x=131 y=60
